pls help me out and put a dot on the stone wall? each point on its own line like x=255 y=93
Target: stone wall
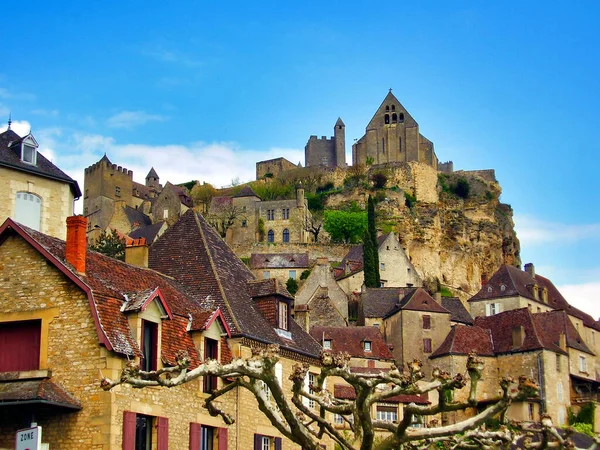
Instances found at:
x=273 y=166
x=56 y=198
x=320 y=152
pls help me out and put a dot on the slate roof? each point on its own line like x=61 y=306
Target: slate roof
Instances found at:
x=377 y=302
x=347 y=392
x=517 y=282
x=354 y=258
x=135 y=216
x=193 y=253
x=246 y=191
x=279 y=260
x=152 y=174
x=148 y=232
x=265 y=288
x=181 y=192
x=350 y=340
x=458 y=312
x=11 y=157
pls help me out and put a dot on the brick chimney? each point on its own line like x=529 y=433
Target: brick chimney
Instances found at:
x=530 y=269
x=76 y=247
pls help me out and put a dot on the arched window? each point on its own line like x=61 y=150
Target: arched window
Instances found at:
x=28 y=210
x=271 y=236
x=400 y=145
x=394 y=118
x=286 y=235
x=387 y=118
x=382 y=145
x=401 y=117
x=393 y=107
x=387 y=107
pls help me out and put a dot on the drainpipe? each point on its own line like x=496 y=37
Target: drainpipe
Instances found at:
x=540 y=362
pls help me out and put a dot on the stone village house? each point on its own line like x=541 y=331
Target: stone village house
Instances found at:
x=33 y=191
x=67 y=314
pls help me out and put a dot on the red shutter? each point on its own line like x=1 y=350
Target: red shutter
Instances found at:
x=258 y=442
x=277 y=443
x=222 y=438
x=128 y=430
x=20 y=344
x=162 y=426
x=194 y=436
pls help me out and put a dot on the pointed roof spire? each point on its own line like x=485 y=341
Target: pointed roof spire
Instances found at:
x=340 y=122
x=152 y=174
x=9 y=120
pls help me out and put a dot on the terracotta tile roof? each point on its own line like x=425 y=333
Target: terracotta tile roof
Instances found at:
x=458 y=312
x=193 y=253
x=351 y=340
x=501 y=326
x=41 y=390
x=509 y=281
x=551 y=324
x=279 y=260
x=462 y=340
x=347 y=392
x=11 y=157
x=270 y=286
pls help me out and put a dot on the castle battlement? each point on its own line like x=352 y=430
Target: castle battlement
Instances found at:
x=104 y=162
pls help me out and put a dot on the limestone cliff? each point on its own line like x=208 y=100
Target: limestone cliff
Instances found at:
x=449 y=238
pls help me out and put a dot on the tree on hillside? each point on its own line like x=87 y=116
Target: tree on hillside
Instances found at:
x=223 y=215
x=290 y=414
x=370 y=249
x=345 y=226
x=202 y=194
x=110 y=244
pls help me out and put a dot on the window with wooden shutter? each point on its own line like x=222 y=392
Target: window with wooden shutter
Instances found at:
x=277 y=443
x=258 y=442
x=223 y=435
x=129 y=430
x=20 y=344
x=211 y=351
x=162 y=433
x=149 y=345
x=194 y=436
x=427 y=345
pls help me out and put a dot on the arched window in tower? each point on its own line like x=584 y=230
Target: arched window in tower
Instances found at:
x=394 y=118
x=387 y=107
x=28 y=210
x=286 y=235
x=400 y=145
x=386 y=118
x=271 y=236
x=401 y=118
x=382 y=145
x=393 y=107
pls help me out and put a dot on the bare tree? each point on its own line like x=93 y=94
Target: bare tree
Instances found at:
x=223 y=214
x=306 y=426
x=311 y=223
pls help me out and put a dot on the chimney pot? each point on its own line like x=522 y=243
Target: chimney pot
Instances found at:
x=530 y=269
x=76 y=246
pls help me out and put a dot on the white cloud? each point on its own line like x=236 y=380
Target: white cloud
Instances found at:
x=584 y=296
x=533 y=231
x=131 y=119
x=21 y=127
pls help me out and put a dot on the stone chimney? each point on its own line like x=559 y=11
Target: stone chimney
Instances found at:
x=136 y=253
x=562 y=341
x=76 y=247
x=530 y=269
x=438 y=297
x=484 y=279
x=518 y=336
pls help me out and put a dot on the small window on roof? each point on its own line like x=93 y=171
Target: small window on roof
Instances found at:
x=327 y=344
x=367 y=346
x=502 y=287
x=28 y=154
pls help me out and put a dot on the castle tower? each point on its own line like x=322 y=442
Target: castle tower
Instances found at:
x=339 y=136
x=152 y=179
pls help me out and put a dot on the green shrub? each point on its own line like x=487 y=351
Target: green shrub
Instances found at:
x=261 y=229
x=379 y=179
x=304 y=275
x=462 y=188
x=292 y=286
x=585 y=428
x=409 y=200
x=325 y=187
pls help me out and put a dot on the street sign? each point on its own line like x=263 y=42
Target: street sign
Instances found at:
x=29 y=439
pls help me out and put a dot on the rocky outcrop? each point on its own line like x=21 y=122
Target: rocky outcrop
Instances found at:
x=451 y=240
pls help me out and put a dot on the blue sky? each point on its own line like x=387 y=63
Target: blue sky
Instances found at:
x=203 y=91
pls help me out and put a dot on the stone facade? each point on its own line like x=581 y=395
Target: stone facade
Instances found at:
x=273 y=167
x=393 y=135
x=327 y=152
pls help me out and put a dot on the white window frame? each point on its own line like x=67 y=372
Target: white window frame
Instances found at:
x=582 y=364
x=30 y=149
x=266 y=443
x=283 y=312
x=492 y=309
x=327 y=344
x=292 y=274
x=368 y=346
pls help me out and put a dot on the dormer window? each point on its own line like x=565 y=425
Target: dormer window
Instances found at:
x=367 y=345
x=327 y=344
x=149 y=345
x=283 y=316
x=28 y=154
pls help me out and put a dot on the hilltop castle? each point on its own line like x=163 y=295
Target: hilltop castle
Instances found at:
x=391 y=136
